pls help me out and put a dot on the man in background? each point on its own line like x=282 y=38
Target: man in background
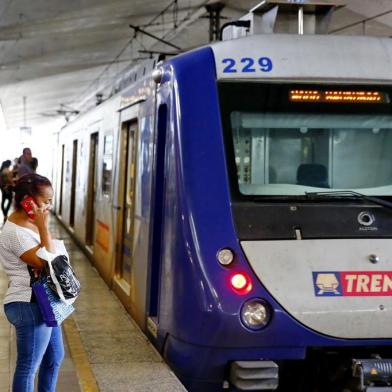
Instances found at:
x=34 y=164
x=25 y=166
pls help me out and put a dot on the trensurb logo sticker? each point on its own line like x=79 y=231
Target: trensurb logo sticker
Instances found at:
x=352 y=283
x=327 y=284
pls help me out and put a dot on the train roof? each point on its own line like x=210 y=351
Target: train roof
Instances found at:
x=298 y=58
x=318 y=58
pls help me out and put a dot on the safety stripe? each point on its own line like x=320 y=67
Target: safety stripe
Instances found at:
x=79 y=357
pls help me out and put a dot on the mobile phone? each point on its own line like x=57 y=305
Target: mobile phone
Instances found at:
x=28 y=205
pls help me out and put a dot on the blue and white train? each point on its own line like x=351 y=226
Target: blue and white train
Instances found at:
x=236 y=199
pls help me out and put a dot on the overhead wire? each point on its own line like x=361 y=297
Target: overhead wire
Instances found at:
x=124 y=48
x=186 y=18
x=360 y=22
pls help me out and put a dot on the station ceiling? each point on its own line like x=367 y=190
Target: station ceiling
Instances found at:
x=58 y=53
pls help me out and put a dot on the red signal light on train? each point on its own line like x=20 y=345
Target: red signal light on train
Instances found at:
x=241 y=283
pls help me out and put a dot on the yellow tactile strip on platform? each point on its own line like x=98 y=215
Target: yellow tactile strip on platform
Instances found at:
x=79 y=357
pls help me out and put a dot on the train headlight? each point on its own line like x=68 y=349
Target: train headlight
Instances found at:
x=157 y=75
x=225 y=256
x=255 y=314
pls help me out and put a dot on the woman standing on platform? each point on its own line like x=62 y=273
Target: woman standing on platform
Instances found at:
x=38 y=346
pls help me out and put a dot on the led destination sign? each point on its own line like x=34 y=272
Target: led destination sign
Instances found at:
x=337 y=96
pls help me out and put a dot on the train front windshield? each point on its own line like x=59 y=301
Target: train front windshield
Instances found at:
x=288 y=140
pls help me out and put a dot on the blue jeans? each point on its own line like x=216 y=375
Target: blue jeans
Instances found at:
x=37 y=346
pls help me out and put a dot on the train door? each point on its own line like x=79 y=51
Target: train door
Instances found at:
x=61 y=180
x=73 y=183
x=124 y=281
x=127 y=198
x=157 y=221
x=92 y=189
x=128 y=218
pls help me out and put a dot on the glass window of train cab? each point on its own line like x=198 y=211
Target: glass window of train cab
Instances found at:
x=286 y=140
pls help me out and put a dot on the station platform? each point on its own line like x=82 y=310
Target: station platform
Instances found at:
x=105 y=349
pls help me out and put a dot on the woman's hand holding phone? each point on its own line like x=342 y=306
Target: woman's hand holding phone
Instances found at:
x=40 y=217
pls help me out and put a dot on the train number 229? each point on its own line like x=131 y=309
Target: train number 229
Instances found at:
x=248 y=64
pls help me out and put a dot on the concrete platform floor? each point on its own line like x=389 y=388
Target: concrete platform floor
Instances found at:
x=105 y=349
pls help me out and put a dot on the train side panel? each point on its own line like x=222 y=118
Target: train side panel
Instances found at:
x=83 y=143
x=108 y=214
x=133 y=198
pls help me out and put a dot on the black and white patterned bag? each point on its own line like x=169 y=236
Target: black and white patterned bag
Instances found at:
x=60 y=275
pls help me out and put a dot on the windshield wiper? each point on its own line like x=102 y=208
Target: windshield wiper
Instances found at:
x=358 y=195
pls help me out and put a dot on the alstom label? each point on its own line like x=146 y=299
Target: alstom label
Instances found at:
x=352 y=283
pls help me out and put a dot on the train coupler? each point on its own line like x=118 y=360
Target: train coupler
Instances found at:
x=254 y=375
x=373 y=375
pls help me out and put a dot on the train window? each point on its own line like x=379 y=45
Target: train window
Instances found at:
x=288 y=154
x=107 y=165
x=108 y=144
x=277 y=146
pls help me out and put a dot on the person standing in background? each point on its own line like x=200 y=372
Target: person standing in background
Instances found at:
x=6 y=186
x=15 y=168
x=34 y=164
x=25 y=167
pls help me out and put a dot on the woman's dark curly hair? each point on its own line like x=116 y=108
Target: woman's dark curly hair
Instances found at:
x=29 y=185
